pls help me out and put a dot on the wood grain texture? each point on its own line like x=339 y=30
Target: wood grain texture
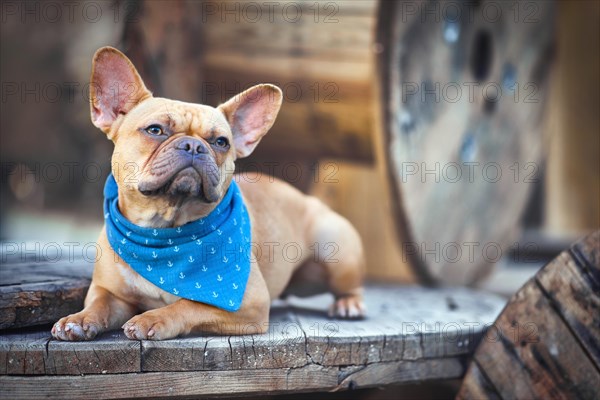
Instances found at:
x=576 y=297
x=545 y=342
x=37 y=293
x=411 y=334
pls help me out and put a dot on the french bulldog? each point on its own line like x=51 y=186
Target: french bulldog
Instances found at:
x=173 y=164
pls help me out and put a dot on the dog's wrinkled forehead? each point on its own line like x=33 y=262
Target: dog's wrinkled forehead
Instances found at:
x=177 y=116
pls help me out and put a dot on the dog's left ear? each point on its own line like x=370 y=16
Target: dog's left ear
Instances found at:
x=251 y=114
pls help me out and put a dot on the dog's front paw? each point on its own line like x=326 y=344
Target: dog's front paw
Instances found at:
x=351 y=307
x=151 y=325
x=79 y=326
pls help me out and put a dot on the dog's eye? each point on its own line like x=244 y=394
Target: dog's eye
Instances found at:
x=154 y=130
x=222 y=142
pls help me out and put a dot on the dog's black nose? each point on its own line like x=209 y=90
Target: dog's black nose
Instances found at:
x=191 y=146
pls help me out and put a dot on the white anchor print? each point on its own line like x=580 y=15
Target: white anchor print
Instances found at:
x=204 y=269
x=106 y=216
x=198 y=286
x=225 y=259
x=176 y=249
x=120 y=252
x=219 y=278
x=201 y=222
x=146 y=241
x=241 y=230
x=181 y=275
x=170 y=241
x=231 y=303
x=155 y=232
x=178 y=230
x=134 y=255
x=175 y=291
x=117 y=220
x=194 y=237
x=229 y=240
x=215 y=295
x=213 y=227
x=237 y=267
x=128 y=233
x=219 y=232
x=213 y=250
x=154 y=255
x=198 y=242
x=149 y=268
x=169 y=264
x=235 y=221
x=123 y=241
x=235 y=286
x=191 y=259
x=161 y=280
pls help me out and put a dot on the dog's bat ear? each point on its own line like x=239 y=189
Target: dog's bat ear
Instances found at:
x=115 y=87
x=251 y=114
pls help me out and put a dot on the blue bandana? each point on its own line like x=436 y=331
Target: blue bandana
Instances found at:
x=207 y=260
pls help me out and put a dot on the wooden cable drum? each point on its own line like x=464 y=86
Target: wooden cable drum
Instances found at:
x=463 y=87
x=546 y=342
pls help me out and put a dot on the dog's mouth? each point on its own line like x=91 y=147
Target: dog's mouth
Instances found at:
x=186 y=182
x=181 y=177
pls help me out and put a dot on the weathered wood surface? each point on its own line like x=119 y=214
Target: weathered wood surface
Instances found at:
x=37 y=289
x=412 y=334
x=545 y=343
x=462 y=106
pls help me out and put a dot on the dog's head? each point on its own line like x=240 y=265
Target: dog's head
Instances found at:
x=171 y=152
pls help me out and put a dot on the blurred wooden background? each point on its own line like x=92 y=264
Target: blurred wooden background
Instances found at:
x=185 y=50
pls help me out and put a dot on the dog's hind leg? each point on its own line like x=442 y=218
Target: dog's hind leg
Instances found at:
x=338 y=248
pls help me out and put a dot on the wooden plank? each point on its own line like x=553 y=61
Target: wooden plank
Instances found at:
x=576 y=299
x=380 y=374
x=34 y=353
x=283 y=346
x=169 y=384
x=16 y=272
x=41 y=293
x=302 y=336
x=347 y=39
x=111 y=352
x=424 y=323
x=531 y=353
x=589 y=251
x=321 y=115
x=23 y=354
x=214 y=383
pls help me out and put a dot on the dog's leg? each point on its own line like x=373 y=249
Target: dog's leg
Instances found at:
x=338 y=248
x=186 y=316
x=102 y=312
